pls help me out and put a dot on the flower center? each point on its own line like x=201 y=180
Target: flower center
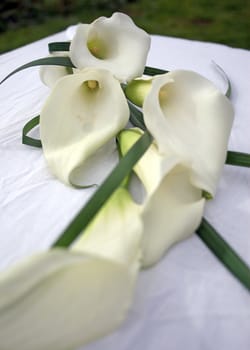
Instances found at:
x=92 y=84
x=90 y=87
x=98 y=48
x=163 y=95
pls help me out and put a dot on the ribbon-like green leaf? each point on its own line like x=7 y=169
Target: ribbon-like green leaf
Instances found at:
x=59 y=46
x=238 y=159
x=224 y=252
x=47 y=61
x=154 y=71
x=136 y=117
x=27 y=140
x=112 y=182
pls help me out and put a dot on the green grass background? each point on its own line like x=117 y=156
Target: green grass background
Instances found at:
x=221 y=21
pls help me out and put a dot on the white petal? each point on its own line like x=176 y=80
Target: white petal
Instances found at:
x=171 y=213
x=188 y=115
x=50 y=74
x=114 y=43
x=78 y=120
x=62 y=300
x=71 y=31
x=115 y=233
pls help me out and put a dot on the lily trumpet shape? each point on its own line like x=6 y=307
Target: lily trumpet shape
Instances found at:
x=173 y=206
x=63 y=299
x=189 y=116
x=78 y=123
x=114 y=43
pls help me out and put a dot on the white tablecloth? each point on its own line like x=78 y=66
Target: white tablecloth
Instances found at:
x=189 y=300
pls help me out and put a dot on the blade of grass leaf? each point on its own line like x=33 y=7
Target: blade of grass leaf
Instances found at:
x=106 y=189
x=27 y=140
x=47 y=61
x=59 y=46
x=224 y=252
x=136 y=116
x=238 y=159
x=153 y=71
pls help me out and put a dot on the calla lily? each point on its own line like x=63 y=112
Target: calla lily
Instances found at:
x=50 y=74
x=78 y=123
x=173 y=206
x=63 y=299
x=114 y=43
x=188 y=115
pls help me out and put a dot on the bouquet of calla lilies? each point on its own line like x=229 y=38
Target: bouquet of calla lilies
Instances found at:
x=106 y=107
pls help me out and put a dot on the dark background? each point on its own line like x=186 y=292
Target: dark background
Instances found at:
x=222 y=21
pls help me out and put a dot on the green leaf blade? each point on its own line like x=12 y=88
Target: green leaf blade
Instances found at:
x=238 y=159
x=136 y=117
x=27 y=140
x=47 y=61
x=59 y=46
x=220 y=248
x=154 y=71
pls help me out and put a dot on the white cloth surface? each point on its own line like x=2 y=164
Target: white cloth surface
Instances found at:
x=188 y=300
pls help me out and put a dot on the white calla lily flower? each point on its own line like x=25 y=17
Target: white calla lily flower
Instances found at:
x=63 y=299
x=188 y=115
x=78 y=123
x=114 y=43
x=173 y=206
